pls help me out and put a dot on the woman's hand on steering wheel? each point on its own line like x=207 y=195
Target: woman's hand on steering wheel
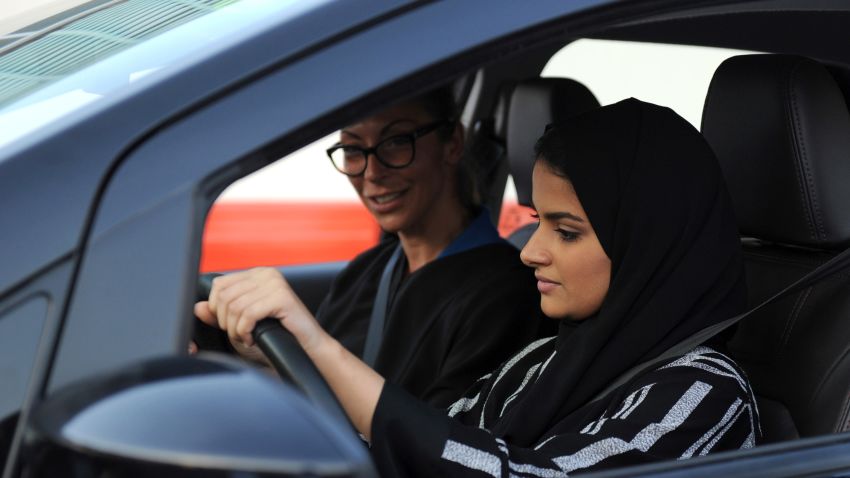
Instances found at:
x=239 y=300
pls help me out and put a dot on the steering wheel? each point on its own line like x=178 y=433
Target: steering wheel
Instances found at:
x=287 y=358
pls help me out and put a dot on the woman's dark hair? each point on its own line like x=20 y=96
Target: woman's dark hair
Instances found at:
x=440 y=103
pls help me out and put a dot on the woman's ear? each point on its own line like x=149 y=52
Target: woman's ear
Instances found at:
x=454 y=146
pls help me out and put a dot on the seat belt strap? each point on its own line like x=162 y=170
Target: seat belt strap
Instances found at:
x=838 y=263
x=375 y=332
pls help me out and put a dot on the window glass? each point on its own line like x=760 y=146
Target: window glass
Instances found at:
x=676 y=76
x=20 y=333
x=295 y=211
x=103 y=48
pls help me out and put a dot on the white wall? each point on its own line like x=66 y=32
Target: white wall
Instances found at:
x=669 y=75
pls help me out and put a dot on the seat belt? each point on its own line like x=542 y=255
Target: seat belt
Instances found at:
x=375 y=332
x=838 y=263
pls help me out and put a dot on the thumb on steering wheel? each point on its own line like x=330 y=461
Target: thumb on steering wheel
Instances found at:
x=203 y=312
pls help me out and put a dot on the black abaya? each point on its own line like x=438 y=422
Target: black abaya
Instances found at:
x=448 y=323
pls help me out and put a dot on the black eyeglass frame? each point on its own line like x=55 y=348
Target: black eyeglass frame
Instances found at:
x=366 y=152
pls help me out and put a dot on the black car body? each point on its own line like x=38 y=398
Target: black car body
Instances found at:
x=103 y=207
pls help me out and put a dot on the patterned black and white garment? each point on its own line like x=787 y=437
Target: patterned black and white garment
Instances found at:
x=691 y=406
x=655 y=197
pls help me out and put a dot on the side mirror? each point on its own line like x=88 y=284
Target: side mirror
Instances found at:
x=184 y=416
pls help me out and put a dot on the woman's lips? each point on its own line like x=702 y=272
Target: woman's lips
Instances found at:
x=383 y=203
x=546 y=286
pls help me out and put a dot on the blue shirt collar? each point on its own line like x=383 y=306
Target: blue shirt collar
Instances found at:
x=479 y=232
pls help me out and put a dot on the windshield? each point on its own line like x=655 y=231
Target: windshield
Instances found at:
x=42 y=54
x=60 y=64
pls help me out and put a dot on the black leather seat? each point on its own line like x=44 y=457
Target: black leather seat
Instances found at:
x=781 y=130
x=533 y=104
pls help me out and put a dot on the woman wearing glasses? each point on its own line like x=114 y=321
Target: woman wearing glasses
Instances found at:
x=455 y=300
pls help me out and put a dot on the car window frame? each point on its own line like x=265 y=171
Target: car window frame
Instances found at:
x=183 y=200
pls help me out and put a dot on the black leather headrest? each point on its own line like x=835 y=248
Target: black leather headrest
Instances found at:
x=781 y=131
x=534 y=104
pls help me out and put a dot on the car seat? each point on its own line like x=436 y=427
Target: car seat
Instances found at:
x=533 y=104
x=781 y=131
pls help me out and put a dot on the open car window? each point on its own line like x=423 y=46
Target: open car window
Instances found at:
x=297 y=210
x=159 y=177
x=676 y=76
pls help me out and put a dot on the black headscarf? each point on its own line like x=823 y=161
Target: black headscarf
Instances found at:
x=654 y=194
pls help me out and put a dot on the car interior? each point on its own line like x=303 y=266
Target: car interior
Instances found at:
x=781 y=114
x=777 y=123
x=785 y=114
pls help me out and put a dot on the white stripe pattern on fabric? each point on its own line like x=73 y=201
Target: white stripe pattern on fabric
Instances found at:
x=466 y=404
x=644 y=391
x=546 y=364
x=754 y=410
x=525 y=380
x=644 y=440
x=526 y=468
x=629 y=405
x=726 y=365
x=510 y=364
x=536 y=471
x=750 y=441
x=723 y=431
x=710 y=433
x=691 y=360
x=463 y=405
x=588 y=427
x=626 y=403
x=472 y=458
x=707 y=368
x=593 y=427
x=544 y=442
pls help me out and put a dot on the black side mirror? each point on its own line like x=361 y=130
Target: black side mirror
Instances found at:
x=182 y=416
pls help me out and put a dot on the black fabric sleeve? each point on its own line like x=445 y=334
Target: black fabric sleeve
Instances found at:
x=407 y=434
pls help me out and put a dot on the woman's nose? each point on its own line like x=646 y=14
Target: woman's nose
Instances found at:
x=374 y=169
x=533 y=254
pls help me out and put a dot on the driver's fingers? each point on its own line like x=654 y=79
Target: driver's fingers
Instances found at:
x=203 y=312
x=247 y=310
x=227 y=296
x=273 y=299
x=219 y=284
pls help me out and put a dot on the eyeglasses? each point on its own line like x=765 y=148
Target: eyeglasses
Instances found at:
x=395 y=152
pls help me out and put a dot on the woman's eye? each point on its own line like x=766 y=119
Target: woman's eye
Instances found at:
x=395 y=143
x=569 y=236
x=351 y=151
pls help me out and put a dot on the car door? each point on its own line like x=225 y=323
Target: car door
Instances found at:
x=174 y=143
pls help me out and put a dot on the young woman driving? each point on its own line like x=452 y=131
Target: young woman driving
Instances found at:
x=636 y=250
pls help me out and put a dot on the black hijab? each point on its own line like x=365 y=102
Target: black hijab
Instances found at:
x=654 y=194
